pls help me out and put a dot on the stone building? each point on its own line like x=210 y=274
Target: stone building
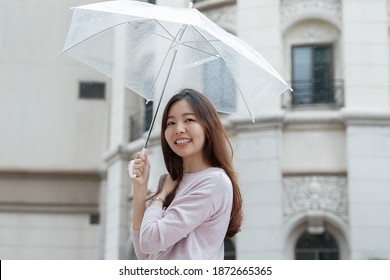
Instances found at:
x=314 y=169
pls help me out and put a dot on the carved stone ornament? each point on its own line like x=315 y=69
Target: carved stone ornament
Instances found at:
x=326 y=193
x=295 y=8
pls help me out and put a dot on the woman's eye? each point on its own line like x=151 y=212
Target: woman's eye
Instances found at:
x=170 y=123
x=190 y=120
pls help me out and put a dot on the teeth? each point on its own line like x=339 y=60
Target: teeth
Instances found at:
x=182 y=141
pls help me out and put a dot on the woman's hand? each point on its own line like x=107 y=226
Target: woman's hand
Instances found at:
x=168 y=186
x=141 y=169
x=140 y=187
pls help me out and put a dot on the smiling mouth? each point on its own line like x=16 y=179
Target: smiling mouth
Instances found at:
x=182 y=141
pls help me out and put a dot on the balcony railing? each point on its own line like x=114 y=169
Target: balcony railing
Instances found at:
x=318 y=92
x=140 y=122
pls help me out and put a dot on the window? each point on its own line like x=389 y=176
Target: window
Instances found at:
x=140 y=121
x=316 y=247
x=216 y=70
x=312 y=72
x=92 y=90
x=94 y=219
x=148 y=115
x=230 y=250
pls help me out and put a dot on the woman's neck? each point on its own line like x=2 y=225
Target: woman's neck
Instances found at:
x=192 y=165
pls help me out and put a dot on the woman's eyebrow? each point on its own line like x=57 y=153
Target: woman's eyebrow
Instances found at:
x=183 y=115
x=188 y=114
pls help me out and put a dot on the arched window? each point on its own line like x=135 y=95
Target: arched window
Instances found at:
x=317 y=247
x=313 y=52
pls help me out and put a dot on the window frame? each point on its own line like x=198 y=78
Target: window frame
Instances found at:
x=316 y=251
x=315 y=96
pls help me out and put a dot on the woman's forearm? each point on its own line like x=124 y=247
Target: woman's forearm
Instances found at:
x=139 y=207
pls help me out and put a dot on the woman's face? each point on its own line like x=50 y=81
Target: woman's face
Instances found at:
x=184 y=133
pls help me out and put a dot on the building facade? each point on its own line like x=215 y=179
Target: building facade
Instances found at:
x=314 y=168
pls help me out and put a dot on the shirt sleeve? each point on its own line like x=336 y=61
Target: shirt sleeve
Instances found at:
x=135 y=235
x=159 y=231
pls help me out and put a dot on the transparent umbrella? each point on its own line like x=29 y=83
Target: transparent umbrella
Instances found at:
x=157 y=50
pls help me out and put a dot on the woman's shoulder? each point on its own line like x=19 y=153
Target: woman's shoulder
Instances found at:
x=209 y=178
x=210 y=173
x=213 y=171
x=219 y=186
x=218 y=175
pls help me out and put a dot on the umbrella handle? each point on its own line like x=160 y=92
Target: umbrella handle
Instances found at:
x=130 y=166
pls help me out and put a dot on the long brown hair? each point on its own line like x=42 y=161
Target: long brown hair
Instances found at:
x=215 y=150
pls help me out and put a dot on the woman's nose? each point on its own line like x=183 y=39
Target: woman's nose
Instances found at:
x=180 y=128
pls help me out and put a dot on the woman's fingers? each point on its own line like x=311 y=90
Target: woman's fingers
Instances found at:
x=140 y=166
x=138 y=169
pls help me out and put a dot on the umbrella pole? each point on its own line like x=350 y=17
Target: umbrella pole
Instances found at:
x=180 y=35
x=131 y=163
x=159 y=101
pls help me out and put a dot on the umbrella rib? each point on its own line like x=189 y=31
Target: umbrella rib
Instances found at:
x=162 y=64
x=85 y=39
x=186 y=42
x=173 y=38
x=159 y=71
x=162 y=36
x=235 y=79
x=199 y=50
x=202 y=41
x=183 y=43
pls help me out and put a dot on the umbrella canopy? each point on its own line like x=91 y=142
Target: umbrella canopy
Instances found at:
x=157 y=50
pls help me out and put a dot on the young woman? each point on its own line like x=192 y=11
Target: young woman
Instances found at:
x=198 y=203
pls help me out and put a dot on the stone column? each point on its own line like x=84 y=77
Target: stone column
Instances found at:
x=366 y=54
x=367 y=115
x=117 y=187
x=116 y=225
x=258 y=161
x=368 y=156
x=258 y=24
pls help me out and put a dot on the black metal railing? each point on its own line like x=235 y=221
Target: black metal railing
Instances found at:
x=140 y=122
x=315 y=92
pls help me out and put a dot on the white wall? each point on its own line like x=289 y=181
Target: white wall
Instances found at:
x=258 y=163
x=43 y=123
x=48 y=236
x=46 y=129
x=314 y=142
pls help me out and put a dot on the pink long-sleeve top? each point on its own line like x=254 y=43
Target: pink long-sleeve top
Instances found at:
x=195 y=223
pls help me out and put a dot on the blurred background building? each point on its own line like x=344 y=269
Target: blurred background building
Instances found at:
x=314 y=169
